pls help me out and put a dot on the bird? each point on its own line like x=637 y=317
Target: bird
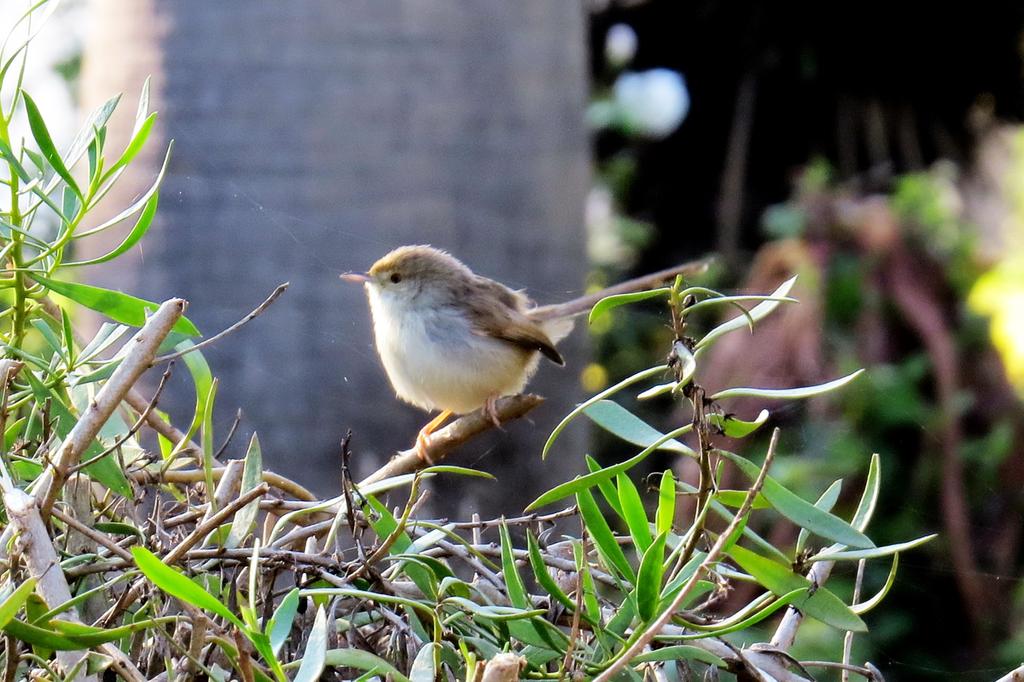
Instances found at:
x=453 y=341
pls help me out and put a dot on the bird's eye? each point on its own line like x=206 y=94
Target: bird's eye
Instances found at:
x=395 y=278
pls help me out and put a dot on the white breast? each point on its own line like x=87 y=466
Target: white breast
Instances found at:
x=435 y=361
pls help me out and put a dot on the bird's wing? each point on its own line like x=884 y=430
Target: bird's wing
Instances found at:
x=508 y=321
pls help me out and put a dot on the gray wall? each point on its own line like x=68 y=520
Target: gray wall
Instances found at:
x=312 y=137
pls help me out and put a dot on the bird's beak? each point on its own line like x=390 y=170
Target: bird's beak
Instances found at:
x=356 y=277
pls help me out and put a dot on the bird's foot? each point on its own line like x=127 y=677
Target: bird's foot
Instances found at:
x=421 y=438
x=491 y=410
x=421 y=449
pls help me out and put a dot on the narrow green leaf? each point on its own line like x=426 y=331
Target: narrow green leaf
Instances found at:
x=611 y=302
x=114 y=304
x=607 y=488
x=591 y=606
x=142 y=226
x=45 y=142
x=363 y=660
x=865 y=606
x=620 y=422
x=825 y=503
x=633 y=513
x=87 y=133
x=118 y=528
x=10 y=606
x=544 y=579
x=315 y=655
x=578 y=410
x=252 y=476
x=787 y=393
x=885 y=550
x=604 y=540
x=513 y=581
x=801 y=512
x=735 y=300
x=40 y=637
x=589 y=480
x=737 y=428
x=12 y=160
x=681 y=652
x=869 y=498
x=666 y=514
x=499 y=613
x=180 y=587
x=735 y=498
x=139 y=137
x=648 y=582
x=423 y=666
x=822 y=604
x=756 y=313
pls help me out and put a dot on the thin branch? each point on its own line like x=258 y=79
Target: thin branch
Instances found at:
x=585 y=303
x=141 y=349
x=145 y=477
x=712 y=556
x=440 y=444
x=91 y=533
x=44 y=566
x=135 y=427
x=256 y=312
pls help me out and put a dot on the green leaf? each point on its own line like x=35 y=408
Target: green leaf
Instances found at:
x=513 y=581
x=611 y=302
x=601 y=533
x=180 y=587
x=280 y=624
x=118 y=528
x=142 y=226
x=252 y=477
x=633 y=512
x=801 y=512
x=589 y=480
x=865 y=606
x=885 y=550
x=821 y=604
x=10 y=606
x=40 y=637
x=869 y=498
x=363 y=660
x=735 y=498
x=825 y=503
x=139 y=136
x=384 y=524
x=681 y=652
x=45 y=142
x=578 y=410
x=544 y=579
x=648 y=582
x=787 y=393
x=498 y=613
x=315 y=655
x=620 y=422
x=607 y=488
x=114 y=304
x=735 y=300
x=424 y=667
x=666 y=514
x=737 y=428
x=87 y=133
x=591 y=606
x=756 y=313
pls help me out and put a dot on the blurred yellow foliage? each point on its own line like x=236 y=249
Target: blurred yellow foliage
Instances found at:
x=999 y=293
